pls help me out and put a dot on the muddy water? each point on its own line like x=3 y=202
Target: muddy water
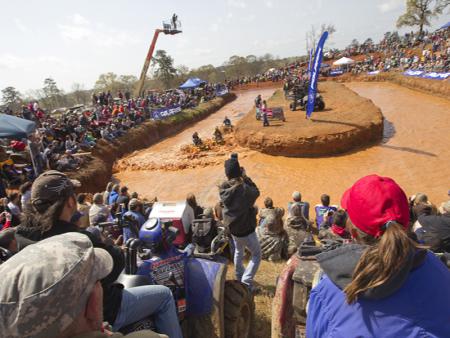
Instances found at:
x=415 y=152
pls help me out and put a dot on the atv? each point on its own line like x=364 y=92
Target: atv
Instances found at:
x=319 y=103
x=208 y=305
x=300 y=275
x=275 y=113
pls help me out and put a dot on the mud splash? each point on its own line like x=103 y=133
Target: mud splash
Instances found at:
x=415 y=152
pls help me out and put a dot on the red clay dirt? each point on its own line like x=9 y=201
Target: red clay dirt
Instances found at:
x=348 y=122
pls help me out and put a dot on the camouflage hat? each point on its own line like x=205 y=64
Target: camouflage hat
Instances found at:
x=50 y=187
x=46 y=285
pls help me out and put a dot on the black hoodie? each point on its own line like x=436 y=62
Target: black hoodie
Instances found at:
x=238 y=196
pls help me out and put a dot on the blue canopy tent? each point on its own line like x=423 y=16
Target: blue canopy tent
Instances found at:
x=192 y=82
x=15 y=127
x=447 y=25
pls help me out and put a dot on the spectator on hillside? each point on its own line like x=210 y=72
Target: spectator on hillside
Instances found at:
x=383 y=272
x=67 y=301
x=107 y=192
x=238 y=195
x=135 y=213
x=337 y=229
x=277 y=213
x=324 y=212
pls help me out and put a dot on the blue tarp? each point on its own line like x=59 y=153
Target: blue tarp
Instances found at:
x=15 y=127
x=192 y=82
x=447 y=25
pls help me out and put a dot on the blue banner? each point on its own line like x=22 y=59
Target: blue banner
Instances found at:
x=336 y=72
x=431 y=75
x=315 y=74
x=222 y=91
x=162 y=113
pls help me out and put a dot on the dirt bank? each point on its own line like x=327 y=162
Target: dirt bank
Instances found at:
x=97 y=172
x=435 y=87
x=348 y=122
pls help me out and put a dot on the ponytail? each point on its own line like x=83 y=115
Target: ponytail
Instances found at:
x=380 y=261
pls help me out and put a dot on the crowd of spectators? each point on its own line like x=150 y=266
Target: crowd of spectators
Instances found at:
x=65 y=137
x=428 y=52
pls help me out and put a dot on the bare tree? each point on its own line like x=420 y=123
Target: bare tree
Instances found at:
x=420 y=12
x=314 y=34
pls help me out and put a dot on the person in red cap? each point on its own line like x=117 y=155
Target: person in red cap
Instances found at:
x=384 y=284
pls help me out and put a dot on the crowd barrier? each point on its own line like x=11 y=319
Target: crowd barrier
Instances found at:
x=427 y=75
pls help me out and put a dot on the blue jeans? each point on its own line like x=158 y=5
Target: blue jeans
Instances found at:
x=149 y=300
x=252 y=244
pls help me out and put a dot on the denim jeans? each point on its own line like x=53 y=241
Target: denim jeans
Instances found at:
x=149 y=300
x=252 y=244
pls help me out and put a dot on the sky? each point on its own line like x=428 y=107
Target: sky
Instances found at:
x=76 y=41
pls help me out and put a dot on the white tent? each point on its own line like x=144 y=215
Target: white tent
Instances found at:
x=343 y=61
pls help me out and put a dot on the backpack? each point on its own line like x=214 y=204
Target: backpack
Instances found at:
x=203 y=232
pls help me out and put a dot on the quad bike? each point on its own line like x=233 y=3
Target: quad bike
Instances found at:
x=275 y=113
x=207 y=304
x=217 y=136
x=319 y=103
x=300 y=275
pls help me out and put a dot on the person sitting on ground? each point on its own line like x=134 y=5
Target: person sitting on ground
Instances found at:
x=324 y=212
x=297 y=227
x=277 y=213
x=297 y=199
x=192 y=202
x=375 y=287
x=337 y=229
x=420 y=204
x=53 y=203
x=83 y=207
x=59 y=296
x=124 y=198
x=434 y=230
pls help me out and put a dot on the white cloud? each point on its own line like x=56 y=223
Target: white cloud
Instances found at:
x=269 y=4
x=79 y=28
x=237 y=3
x=10 y=61
x=214 y=27
x=389 y=5
x=202 y=51
x=21 y=26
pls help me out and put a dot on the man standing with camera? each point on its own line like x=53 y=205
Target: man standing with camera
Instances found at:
x=238 y=195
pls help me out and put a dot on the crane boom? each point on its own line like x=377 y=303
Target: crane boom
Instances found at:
x=147 y=62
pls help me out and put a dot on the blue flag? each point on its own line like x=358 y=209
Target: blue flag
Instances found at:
x=315 y=75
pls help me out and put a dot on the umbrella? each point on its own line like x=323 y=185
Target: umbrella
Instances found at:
x=15 y=127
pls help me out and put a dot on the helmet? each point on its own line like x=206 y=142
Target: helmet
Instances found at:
x=151 y=232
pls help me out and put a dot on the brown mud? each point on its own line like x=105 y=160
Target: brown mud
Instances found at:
x=348 y=122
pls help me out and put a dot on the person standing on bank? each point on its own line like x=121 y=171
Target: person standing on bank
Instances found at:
x=238 y=195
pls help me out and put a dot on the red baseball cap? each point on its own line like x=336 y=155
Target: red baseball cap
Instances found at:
x=373 y=201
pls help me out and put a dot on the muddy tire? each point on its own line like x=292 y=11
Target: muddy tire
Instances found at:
x=239 y=308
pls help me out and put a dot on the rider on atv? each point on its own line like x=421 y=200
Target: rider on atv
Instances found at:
x=196 y=140
x=227 y=122
x=218 y=138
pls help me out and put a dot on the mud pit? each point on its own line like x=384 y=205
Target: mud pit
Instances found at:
x=415 y=152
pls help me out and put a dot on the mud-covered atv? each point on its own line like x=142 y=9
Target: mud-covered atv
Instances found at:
x=275 y=113
x=319 y=103
x=208 y=305
x=300 y=275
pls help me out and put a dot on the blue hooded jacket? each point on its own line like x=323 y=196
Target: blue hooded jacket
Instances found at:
x=414 y=303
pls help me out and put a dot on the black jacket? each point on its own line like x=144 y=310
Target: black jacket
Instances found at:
x=112 y=292
x=238 y=197
x=436 y=232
